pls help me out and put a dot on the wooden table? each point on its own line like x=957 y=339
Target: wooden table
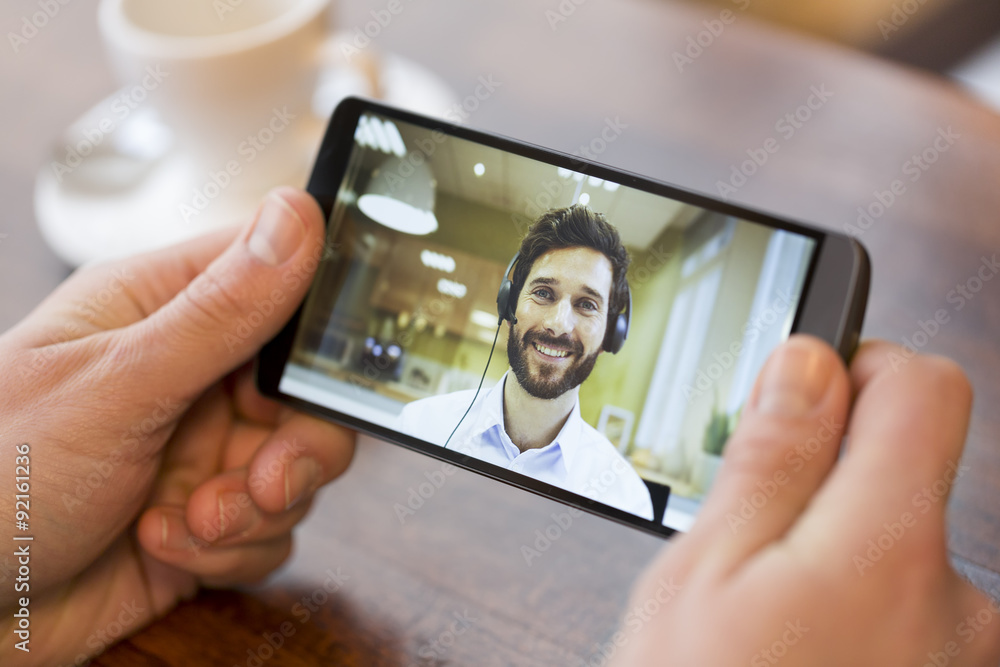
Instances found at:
x=450 y=585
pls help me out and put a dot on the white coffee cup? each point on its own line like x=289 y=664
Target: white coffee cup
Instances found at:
x=221 y=73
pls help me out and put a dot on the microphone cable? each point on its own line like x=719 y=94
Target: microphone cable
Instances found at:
x=490 y=358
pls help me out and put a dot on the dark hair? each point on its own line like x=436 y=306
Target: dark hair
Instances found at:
x=575 y=227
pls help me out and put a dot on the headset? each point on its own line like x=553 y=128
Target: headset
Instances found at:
x=614 y=335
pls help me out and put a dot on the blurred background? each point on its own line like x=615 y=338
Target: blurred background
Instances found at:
x=56 y=75
x=512 y=70
x=558 y=73
x=951 y=37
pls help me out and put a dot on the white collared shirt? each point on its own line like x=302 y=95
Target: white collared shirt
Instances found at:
x=580 y=459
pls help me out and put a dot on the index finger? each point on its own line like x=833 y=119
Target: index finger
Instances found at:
x=905 y=440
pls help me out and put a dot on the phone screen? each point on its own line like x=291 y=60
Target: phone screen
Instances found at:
x=401 y=327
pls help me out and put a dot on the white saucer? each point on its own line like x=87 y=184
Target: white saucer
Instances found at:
x=125 y=197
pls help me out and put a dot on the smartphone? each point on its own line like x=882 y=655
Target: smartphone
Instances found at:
x=568 y=328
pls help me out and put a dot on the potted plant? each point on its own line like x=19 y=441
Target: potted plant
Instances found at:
x=717 y=432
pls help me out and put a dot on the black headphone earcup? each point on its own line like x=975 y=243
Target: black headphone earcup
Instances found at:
x=617 y=334
x=503 y=300
x=507 y=302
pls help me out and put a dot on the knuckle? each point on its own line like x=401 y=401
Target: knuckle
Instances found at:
x=216 y=302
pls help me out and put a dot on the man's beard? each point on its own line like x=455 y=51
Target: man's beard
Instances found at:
x=547 y=382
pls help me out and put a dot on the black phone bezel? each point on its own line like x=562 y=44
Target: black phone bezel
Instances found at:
x=831 y=307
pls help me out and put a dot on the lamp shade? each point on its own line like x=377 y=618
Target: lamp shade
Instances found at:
x=400 y=195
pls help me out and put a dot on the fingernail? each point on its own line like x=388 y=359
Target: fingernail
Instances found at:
x=795 y=380
x=277 y=232
x=302 y=477
x=237 y=514
x=174 y=533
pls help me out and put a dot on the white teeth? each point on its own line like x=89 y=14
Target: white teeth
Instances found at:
x=550 y=352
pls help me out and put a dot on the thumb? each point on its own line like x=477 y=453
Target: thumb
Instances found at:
x=236 y=304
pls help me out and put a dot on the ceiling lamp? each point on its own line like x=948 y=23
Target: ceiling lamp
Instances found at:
x=380 y=134
x=437 y=260
x=452 y=288
x=401 y=196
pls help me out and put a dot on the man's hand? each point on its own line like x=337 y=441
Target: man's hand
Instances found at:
x=799 y=559
x=155 y=466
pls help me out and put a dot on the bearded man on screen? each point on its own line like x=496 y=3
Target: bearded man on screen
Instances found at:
x=566 y=303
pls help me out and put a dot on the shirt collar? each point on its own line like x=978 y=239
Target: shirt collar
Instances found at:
x=491 y=415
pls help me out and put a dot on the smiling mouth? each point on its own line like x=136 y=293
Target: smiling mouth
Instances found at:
x=550 y=352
